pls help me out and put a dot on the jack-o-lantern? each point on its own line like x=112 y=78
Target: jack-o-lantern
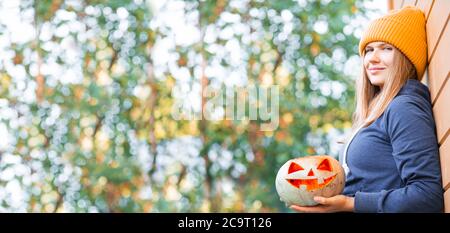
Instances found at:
x=300 y=179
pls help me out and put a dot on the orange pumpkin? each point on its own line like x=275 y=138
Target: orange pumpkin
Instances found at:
x=300 y=179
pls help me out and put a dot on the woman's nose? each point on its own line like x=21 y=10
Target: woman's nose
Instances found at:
x=374 y=56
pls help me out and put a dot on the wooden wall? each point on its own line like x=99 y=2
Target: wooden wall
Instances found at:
x=436 y=78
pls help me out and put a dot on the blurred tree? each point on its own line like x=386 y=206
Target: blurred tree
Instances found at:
x=86 y=100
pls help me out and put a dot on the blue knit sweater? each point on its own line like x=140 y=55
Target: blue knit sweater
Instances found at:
x=394 y=162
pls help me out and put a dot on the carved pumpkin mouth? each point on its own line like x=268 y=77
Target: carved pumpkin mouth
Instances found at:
x=311 y=184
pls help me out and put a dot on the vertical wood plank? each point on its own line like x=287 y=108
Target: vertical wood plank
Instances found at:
x=444 y=153
x=447 y=201
x=437 y=20
x=439 y=67
x=409 y=3
x=442 y=114
x=425 y=79
x=425 y=6
x=398 y=4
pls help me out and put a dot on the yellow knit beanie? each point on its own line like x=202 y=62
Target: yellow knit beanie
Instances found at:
x=404 y=29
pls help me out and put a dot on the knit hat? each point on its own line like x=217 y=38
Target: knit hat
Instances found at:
x=403 y=28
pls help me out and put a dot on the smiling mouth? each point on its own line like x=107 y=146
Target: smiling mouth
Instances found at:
x=375 y=72
x=375 y=69
x=311 y=184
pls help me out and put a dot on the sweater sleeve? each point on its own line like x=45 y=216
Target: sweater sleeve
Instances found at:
x=410 y=127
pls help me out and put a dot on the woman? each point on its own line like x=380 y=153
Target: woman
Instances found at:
x=392 y=160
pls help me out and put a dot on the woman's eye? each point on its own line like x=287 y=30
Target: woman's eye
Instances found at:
x=368 y=50
x=388 y=48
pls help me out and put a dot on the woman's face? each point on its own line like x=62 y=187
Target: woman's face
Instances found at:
x=378 y=62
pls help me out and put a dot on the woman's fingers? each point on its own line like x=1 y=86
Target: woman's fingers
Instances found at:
x=309 y=209
x=321 y=200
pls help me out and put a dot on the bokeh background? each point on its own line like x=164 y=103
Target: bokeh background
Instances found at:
x=86 y=98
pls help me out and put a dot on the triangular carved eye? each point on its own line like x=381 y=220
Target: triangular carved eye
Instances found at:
x=294 y=167
x=324 y=165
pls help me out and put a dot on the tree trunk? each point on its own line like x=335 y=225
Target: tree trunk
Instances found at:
x=204 y=138
x=152 y=105
x=40 y=81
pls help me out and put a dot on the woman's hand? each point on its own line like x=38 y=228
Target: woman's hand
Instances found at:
x=338 y=203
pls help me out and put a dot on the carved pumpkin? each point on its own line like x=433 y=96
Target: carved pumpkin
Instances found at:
x=300 y=179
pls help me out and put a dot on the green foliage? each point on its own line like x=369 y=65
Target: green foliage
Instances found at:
x=103 y=139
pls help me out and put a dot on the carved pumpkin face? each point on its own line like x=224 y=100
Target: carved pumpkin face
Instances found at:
x=299 y=180
x=312 y=177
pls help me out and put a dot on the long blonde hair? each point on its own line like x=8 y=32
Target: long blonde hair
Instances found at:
x=371 y=102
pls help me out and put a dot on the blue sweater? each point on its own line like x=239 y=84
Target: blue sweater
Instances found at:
x=394 y=162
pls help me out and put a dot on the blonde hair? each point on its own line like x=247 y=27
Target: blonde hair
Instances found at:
x=371 y=101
